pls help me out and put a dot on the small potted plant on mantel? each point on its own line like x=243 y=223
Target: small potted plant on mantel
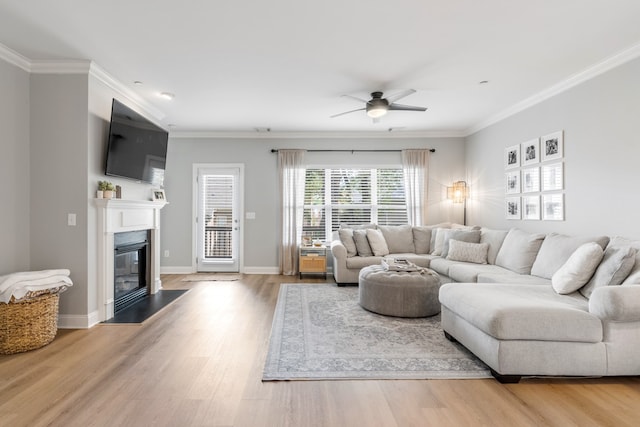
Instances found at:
x=105 y=190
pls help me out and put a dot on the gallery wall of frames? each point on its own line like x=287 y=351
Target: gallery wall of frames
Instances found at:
x=534 y=179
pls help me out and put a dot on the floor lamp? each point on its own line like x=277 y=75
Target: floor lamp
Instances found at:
x=459 y=193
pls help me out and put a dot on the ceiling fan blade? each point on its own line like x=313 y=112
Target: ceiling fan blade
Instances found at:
x=406 y=107
x=355 y=97
x=346 y=112
x=400 y=95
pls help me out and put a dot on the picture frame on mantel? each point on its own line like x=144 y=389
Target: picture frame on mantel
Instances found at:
x=157 y=195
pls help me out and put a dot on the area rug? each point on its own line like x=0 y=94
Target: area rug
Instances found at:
x=212 y=277
x=320 y=332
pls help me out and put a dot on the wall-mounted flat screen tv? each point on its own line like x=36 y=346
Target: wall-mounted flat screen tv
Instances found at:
x=137 y=148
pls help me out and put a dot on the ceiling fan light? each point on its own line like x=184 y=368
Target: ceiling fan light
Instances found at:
x=377 y=111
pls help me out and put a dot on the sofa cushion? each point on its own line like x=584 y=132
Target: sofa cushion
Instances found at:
x=556 y=250
x=519 y=250
x=399 y=238
x=362 y=243
x=468 y=273
x=422 y=238
x=494 y=238
x=512 y=278
x=462 y=235
x=526 y=312
x=616 y=264
x=358 y=262
x=346 y=237
x=475 y=253
x=578 y=269
x=377 y=242
x=442 y=265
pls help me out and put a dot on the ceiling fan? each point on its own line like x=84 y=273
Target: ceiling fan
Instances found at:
x=378 y=106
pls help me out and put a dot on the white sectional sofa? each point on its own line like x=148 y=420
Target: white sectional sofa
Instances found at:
x=528 y=304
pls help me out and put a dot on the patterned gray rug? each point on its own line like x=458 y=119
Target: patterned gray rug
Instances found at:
x=320 y=332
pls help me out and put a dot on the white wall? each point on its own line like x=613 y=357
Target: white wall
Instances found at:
x=14 y=169
x=601 y=146
x=261 y=186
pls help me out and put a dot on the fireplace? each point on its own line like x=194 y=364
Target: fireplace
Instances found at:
x=131 y=268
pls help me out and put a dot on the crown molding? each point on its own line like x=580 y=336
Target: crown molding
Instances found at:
x=609 y=63
x=316 y=135
x=14 y=58
x=108 y=80
x=66 y=66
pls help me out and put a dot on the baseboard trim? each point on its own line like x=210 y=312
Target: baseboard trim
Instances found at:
x=77 y=321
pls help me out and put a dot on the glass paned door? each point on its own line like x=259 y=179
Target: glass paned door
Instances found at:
x=218 y=219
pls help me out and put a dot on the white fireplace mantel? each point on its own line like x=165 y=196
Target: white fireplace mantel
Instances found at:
x=117 y=216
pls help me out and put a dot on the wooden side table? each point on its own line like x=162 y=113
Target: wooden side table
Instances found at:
x=313 y=259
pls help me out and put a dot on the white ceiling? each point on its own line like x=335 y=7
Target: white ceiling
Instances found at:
x=283 y=64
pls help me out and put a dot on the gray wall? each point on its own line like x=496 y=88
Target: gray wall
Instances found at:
x=14 y=169
x=601 y=149
x=59 y=180
x=261 y=186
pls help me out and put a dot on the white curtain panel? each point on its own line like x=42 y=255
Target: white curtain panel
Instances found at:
x=292 y=175
x=415 y=165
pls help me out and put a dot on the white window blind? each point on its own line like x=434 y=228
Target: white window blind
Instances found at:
x=218 y=208
x=352 y=196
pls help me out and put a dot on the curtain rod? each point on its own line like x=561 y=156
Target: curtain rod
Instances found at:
x=432 y=150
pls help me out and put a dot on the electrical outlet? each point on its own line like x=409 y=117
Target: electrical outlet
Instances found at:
x=71 y=219
x=166 y=253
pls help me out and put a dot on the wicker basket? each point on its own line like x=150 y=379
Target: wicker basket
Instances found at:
x=27 y=325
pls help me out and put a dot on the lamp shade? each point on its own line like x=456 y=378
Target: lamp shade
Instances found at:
x=459 y=192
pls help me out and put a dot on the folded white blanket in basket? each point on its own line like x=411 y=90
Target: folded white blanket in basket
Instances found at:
x=19 y=285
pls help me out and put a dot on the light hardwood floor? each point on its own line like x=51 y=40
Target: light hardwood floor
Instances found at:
x=199 y=363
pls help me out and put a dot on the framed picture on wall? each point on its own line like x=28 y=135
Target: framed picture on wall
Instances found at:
x=552 y=146
x=552 y=177
x=512 y=157
x=531 y=180
x=553 y=207
x=531 y=207
x=530 y=152
x=512 y=207
x=512 y=182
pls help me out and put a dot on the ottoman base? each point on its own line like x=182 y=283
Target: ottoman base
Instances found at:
x=399 y=294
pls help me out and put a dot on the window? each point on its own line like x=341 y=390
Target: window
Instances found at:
x=352 y=196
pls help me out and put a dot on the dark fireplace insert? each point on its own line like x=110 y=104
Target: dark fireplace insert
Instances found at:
x=131 y=268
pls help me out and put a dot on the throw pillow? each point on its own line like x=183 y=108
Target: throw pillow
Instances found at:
x=463 y=235
x=634 y=276
x=519 y=250
x=578 y=268
x=468 y=252
x=422 y=238
x=362 y=243
x=432 y=244
x=614 y=268
x=377 y=242
x=437 y=240
x=399 y=238
x=346 y=237
x=494 y=238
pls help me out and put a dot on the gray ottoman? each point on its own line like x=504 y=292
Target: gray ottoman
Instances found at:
x=399 y=294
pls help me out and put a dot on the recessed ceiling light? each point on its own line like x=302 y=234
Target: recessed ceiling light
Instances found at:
x=171 y=125
x=138 y=83
x=167 y=95
x=484 y=82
